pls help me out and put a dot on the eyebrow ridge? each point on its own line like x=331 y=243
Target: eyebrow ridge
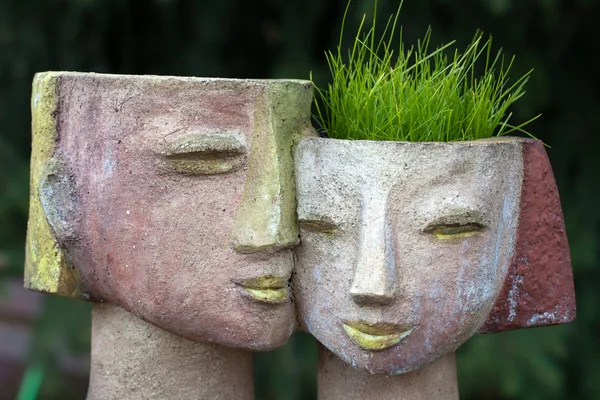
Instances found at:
x=232 y=143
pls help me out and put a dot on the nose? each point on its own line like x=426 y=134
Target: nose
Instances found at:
x=266 y=216
x=264 y=223
x=374 y=283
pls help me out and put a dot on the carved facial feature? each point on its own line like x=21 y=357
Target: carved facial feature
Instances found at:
x=375 y=337
x=266 y=289
x=205 y=153
x=185 y=200
x=405 y=246
x=457 y=225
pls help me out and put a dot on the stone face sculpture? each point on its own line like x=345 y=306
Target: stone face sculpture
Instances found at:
x=409 y=249
x=173 y=199
x=170 y=197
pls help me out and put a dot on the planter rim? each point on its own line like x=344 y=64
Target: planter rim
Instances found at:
x=191 y=79
x=468 y=143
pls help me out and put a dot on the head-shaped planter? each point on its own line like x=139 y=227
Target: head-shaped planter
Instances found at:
x=171 y=197
x=408 y=249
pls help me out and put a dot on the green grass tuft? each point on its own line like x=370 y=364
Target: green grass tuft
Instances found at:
x=414 y=94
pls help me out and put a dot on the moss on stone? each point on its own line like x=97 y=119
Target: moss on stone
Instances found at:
x=47 y=269
x=266 y=216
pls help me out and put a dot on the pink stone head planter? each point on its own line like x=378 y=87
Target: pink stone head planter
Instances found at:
x=409 y=249
x=171 y=197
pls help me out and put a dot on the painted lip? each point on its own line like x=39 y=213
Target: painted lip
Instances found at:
x=265 y=289
x=375 y=337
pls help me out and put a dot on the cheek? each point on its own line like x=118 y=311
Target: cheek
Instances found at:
x=164 y=236
x=324 y=255
x=323 y=273
x=483 y=272
x=455 y=284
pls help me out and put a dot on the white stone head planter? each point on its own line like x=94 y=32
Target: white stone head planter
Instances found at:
x=172 y=198
x=409 y=249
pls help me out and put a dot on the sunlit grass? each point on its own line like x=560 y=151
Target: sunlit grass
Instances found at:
x=417 y=94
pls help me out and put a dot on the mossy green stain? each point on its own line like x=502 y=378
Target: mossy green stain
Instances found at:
x=47 y=269
x=457 y=232
x=266 y=216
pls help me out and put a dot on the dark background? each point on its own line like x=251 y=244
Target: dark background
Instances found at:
x=49 y=337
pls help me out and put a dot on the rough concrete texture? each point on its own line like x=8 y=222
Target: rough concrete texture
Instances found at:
x=47 y=269
x=539 y=287
x=404 y=246
x=337 y=380
x=134 y=360
x=183 y=203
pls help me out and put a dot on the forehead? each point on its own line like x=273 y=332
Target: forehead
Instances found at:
x=103 y=108
x=363 y=161
x=118 y=132
x=330 y=170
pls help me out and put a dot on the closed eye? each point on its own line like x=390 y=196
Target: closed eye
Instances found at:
x=325 y=227
x=205 y=154
x=454 y=231
x=457 y=224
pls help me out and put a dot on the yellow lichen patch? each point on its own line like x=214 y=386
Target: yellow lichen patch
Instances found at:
x=266 y=289
x=46 y=268
x=274 y=296
x=265 y=282
x=456 y=232
x=373 y=342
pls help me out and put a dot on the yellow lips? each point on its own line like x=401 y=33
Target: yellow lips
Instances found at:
x=375 y=337
x=266 y=289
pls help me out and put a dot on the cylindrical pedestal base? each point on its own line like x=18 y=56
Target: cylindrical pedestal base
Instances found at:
x=338 y=380
x=133 y=360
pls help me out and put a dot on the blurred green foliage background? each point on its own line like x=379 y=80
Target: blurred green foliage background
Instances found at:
x=287 y=38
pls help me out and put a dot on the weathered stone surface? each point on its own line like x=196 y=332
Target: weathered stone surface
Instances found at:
x=538 y=289
x=134 y=360
x=176 y=202
x=338 y=380
x=405 y=246
x=47 y=269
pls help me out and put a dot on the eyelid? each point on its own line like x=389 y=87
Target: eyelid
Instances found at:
x=454 y=231
x=206 y=143
x=461 y=224
x=318 y=225
x=205 y=154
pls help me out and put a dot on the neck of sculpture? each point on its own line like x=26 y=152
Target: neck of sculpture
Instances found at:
x=339 y=380
x=132 y=360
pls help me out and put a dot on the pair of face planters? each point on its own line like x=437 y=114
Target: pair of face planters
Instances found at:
x=211 y=209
